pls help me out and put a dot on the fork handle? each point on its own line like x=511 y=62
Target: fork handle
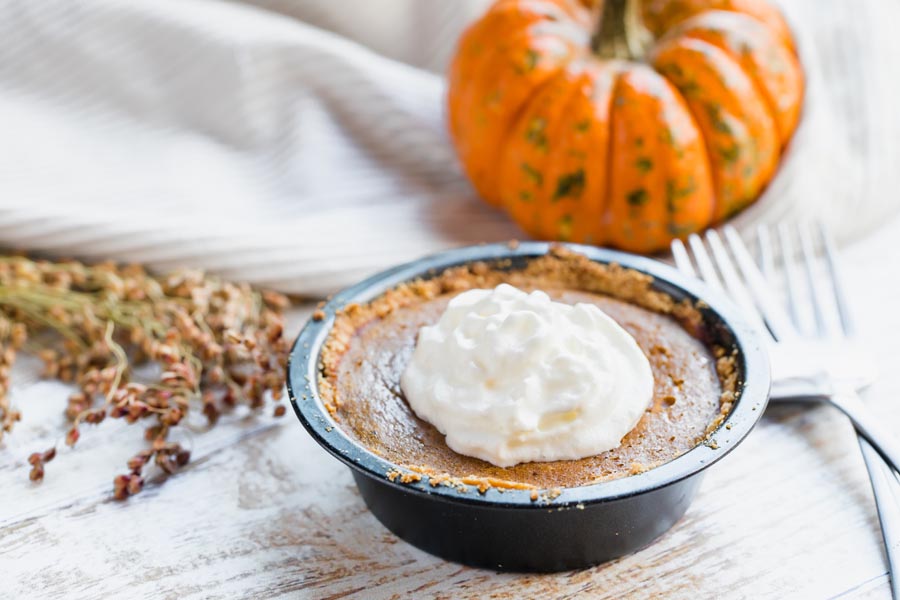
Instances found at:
x=884 y=485
x=849 y=403
x=884 y=481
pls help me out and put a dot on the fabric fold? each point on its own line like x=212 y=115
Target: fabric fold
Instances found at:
x=234 y=137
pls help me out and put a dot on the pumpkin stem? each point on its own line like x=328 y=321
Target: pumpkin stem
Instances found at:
x=620 y=30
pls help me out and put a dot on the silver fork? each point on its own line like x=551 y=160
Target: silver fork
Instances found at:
x=751 y=289
x=804 y=369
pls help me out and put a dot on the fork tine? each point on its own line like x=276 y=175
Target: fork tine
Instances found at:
x=836 y=279
x=682 y=259
x=736 y=288
x=704 y=264
x=816 y=295
x=776 y=318
x=766 y=259
x=790 y=273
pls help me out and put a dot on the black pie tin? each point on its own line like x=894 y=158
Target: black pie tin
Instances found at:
x=508 y=530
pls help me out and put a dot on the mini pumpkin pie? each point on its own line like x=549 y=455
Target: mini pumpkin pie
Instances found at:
x=370 y=345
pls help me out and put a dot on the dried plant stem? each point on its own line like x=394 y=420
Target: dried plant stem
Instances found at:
x=218 y=344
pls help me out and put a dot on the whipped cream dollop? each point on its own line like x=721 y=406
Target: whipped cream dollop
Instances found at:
x=512 y=377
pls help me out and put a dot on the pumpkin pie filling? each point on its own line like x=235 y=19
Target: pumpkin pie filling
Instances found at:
x=370 y=345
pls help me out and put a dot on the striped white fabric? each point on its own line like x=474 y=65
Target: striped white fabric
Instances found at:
x=240 y=138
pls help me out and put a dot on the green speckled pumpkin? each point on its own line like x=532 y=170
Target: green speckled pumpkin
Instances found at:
x=668 y=116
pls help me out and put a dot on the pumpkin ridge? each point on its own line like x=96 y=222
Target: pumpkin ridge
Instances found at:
x=562 y=184
x=594 y=203
x=661 y=185
x=511 y=162
x=464 y=90
x=469 y=89
x=513 y=115
x=733 y=191
x=768 y=103
x=517 y=115
x=606 y=218
x=561 y=68
x=697 y=27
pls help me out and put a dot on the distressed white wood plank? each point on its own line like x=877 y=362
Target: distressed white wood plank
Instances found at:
x=277 y=515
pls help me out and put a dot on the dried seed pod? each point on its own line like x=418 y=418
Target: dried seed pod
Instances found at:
x=120 y=486
x=135 y=484
x=165 y=462
x=154 y=432
x=72 y=437
x=182 y=457
x=37 y=472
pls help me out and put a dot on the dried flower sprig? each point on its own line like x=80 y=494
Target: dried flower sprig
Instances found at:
x=12 y=337
x=218 y=344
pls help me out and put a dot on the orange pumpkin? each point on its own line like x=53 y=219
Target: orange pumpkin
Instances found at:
x=668 y=116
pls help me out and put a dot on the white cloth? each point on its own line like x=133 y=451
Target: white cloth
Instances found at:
x=234 y=137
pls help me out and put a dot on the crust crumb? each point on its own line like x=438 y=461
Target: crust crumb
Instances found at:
x=436 y=480
x=660 y=349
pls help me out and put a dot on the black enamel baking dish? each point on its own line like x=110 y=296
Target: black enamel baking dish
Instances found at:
x=508 y=530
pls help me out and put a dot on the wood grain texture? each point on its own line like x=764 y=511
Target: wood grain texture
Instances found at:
x=263 y=512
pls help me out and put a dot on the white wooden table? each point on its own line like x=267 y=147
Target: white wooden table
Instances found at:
x=263 y=512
